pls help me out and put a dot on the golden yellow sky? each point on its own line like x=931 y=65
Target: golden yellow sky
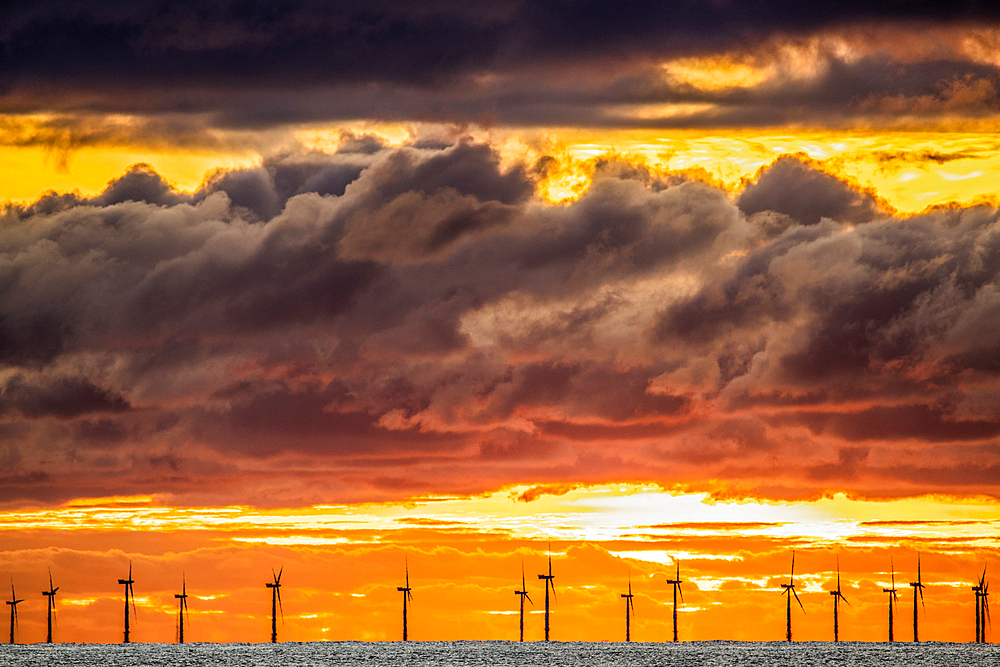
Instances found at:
x=910 y=170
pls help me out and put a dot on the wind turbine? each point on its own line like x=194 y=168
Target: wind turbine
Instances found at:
x=408 y=597
x=181 y=610
x=980 y=621
x=892 y=599
x=548 y=583
x=275 y=587
x=13 y=602
x=788 y=593
x=51 y=595
x=629 y=610
x=676 y=583
x=917 y=586
x=523 y=593
x=837 y=597
x=129 y=592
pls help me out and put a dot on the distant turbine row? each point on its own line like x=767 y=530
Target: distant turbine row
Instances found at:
x=981 y=590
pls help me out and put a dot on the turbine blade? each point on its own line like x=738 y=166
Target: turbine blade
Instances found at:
x=798 y=600
x=841 y=596
x=529 y=599
x=680 y=590
x=554 y=598
x=790 y=576
x=280 y=609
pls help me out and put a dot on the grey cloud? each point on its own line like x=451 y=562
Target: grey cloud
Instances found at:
x=197 y=66
x=420 y=305
x=806 y=194
x=63 y=397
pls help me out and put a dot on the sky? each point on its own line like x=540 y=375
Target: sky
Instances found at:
x=341 y=290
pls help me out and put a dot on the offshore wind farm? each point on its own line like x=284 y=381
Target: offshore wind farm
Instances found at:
x=788 y=590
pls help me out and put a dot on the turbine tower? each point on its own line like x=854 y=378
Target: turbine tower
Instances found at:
x=129 y=593
x=13 y=602
x=837 y=597
x=788 y=593
x=629 y=610
x=676 y=583
x=893 y=600
x=51 y=595
x=917 y=586
x=275 y=587
x=408 y=597
x=548 y=584
x=523 y=593
x=182 y=608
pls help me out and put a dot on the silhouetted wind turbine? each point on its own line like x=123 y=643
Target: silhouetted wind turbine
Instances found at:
x=676 y=583
x=548 y=583
x=523 y=593
x=51 y=595
x=837 y=597
x=893 y=600
x=275 y=587
x=182 y=608
x=978 y=590
x=13 y=602
x=629 y=610
x=917 y=586
x=788 y=593
x=408 y=597
x=129 y=592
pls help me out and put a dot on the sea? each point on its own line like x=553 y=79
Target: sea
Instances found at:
x=505 y=654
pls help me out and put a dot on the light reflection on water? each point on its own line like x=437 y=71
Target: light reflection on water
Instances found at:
x=528 y=654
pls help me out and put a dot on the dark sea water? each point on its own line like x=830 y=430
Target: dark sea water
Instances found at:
x=528 y=654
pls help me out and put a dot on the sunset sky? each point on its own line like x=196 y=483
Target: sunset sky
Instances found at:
x=336 y=287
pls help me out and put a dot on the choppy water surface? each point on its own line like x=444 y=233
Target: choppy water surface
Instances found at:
x=529 y=654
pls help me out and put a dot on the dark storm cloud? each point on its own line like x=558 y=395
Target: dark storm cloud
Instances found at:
x=65 y=397
x=806 y=195
x=187 y=67
x=407 y=313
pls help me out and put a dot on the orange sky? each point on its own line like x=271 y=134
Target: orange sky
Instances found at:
x=342 y=564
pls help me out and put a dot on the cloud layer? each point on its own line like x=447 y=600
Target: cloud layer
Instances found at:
x=388 y=322
x=187 y=68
